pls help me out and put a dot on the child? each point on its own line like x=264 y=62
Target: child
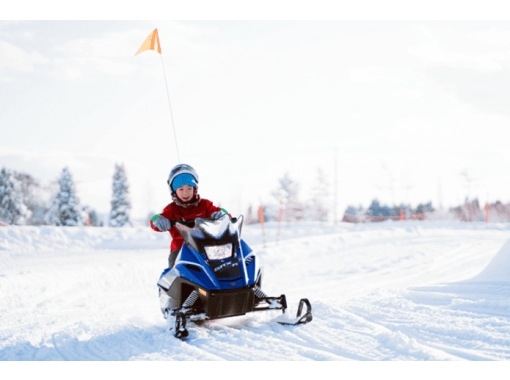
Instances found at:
x=186 y=205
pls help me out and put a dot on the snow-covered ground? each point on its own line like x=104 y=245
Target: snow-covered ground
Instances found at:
x=393 y=291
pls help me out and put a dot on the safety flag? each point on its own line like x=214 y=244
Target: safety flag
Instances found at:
x=151 y=43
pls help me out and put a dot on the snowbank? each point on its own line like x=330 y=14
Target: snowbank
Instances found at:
x=498 y=270
x=16 y=238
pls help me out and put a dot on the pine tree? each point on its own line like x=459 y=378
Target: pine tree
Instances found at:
x=12 y=208
x=65 y=210
x=120 y=204
x=32 y=194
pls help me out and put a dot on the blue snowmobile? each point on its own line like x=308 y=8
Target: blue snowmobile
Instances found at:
x=216 y=275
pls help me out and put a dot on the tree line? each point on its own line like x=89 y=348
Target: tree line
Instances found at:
x=22 y=201
x=288 y=206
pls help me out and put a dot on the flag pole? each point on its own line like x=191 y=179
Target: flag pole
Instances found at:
x=152 y=43
x=170 y=108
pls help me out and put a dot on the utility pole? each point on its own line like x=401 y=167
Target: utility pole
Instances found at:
x=335 y=187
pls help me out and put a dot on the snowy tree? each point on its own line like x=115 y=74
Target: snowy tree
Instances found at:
x=424 y=208
x=320 y=203
x=287 y=190
x=12 y=208
x=287 y=195
x=34 y=197
x=353 y=214
x=65 y=210
x=376 y=209
x=120 y=204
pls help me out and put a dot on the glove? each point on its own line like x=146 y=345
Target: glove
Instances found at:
x=162 y=223
x=217 y=214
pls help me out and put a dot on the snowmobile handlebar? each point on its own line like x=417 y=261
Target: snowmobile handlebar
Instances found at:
x=187 y=222
x=191 y=222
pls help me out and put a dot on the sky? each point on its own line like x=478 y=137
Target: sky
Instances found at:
x=402 y=110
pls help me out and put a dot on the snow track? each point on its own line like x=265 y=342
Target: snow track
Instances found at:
x=391 y=291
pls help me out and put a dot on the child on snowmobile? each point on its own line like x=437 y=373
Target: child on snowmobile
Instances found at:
x=187 y=205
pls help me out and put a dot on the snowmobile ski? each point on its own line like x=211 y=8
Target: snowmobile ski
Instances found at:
x=300 y=319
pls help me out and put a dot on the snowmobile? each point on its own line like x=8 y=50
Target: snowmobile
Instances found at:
x=217 y=275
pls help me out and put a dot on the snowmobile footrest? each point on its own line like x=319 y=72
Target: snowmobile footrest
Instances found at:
x=272 y=303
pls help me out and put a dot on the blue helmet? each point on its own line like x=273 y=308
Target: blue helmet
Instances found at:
x=181 y=175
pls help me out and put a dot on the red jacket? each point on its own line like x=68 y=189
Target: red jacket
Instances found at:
x=173 y=212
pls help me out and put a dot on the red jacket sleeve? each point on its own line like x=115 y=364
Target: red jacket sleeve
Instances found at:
x=209 y=208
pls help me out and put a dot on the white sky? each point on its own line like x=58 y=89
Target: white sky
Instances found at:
x=399 y=108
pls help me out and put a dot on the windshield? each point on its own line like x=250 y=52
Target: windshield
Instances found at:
x=211 y=232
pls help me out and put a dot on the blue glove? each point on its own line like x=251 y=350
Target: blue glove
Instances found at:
x=217 y=215
x=162 y=223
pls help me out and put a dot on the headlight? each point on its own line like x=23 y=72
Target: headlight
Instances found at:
x=218 y=252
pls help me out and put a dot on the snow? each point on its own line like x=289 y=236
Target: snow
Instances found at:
x=394 y=291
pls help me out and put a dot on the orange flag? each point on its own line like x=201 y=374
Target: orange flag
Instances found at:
x=151 y=43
